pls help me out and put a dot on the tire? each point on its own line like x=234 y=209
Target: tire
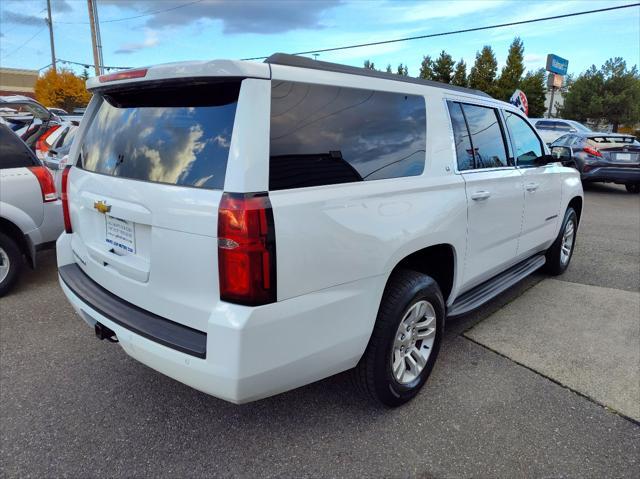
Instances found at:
x=406 y=292
x=10 y=256
x=557 y=259
x=633 y=187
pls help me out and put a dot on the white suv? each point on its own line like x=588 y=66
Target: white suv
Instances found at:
x=248 y=228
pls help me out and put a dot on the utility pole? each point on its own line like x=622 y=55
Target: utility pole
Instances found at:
x=98 y=37
x=97 y=60
x=53 y=48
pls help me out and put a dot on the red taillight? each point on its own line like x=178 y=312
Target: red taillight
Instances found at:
x=41 y=144
x=47 y=185
x=65 y=200
x=246 y=249
x=125 y=75
x=592 y=151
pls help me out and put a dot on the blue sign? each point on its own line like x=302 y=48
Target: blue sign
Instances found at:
x=558 y=65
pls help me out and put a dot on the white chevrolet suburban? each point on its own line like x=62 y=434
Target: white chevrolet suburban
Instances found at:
x=248 y=228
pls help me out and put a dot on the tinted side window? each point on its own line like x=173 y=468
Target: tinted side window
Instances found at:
x=525 y=142
x=13 y=152
x=561 y=126
x=464 y=151
x=323 y=134
x=486 y=136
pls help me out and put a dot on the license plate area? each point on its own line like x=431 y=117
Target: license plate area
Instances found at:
x=623 y=156
x=120 y=236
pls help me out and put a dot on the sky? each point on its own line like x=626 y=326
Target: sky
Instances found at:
x=176 y=30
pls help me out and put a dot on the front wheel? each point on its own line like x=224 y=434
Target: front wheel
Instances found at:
x=405 y=341
x=560 y=253
x=633 y=187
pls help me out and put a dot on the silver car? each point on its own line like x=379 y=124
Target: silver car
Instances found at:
x=550 y=129
x=30 y=210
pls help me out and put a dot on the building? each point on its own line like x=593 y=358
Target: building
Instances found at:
x=558 y=102
x=15 y=81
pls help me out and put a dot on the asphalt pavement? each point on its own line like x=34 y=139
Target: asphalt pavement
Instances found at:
x=72 y=406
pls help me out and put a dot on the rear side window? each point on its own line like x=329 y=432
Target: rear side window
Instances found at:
x=464 y=151
x=323 y=134
x=178 y=135
x=486 y=136
x=561 y=126
x=526 y=143
x=13 y=152
x=478 y=136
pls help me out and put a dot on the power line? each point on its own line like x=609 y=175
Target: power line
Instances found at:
x=145 y=14
x=466 y=30
x=24 y=43
x=419 y=36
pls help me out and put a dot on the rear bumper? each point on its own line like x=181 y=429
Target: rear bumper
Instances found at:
x=252 y=353
x=613 y=174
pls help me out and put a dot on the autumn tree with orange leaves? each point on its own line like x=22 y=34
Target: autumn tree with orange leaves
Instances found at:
x=62 y=89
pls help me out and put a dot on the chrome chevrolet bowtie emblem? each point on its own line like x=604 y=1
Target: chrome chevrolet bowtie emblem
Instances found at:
x=102 y=206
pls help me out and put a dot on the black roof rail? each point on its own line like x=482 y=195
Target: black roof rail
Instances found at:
x=304 y=62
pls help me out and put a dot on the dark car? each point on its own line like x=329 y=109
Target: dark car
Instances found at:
x=602 y=157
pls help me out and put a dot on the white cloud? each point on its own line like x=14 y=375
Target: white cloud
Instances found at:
x=151 y=40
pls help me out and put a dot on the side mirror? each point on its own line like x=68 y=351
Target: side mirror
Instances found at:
x=564 y=155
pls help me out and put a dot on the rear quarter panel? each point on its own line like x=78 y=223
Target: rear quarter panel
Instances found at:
x=21 y=198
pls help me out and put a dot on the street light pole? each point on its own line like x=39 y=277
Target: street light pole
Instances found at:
x=53 y=48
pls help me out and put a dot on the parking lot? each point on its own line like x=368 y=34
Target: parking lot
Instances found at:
x=543 y=381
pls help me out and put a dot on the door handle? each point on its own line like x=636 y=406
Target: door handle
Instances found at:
x=532 y=187
x=480 y=195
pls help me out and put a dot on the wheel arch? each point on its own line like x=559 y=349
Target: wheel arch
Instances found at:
x=14 y=232
x=576 y=204
x=438 y=261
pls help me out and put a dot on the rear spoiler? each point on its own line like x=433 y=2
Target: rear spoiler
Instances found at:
x=182 y=70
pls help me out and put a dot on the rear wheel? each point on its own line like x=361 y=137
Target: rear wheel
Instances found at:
x=10 y=263
x=560 y=253
x=405 y=341
x=633 y=187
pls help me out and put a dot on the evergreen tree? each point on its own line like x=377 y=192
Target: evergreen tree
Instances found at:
x=584 y=96
x=403 y=70
x=460 y=74
x=533 y=85
x=426 y=68
x=369 y=65
x=621 y=93
x=611 y=93
x=512 y=71
x=483 y=73
x=443 y=68
x=389 y=68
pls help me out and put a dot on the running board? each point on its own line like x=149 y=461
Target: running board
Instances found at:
x=479 y=295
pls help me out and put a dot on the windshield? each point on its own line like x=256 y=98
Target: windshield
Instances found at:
x=179 y=136
x=579 y=126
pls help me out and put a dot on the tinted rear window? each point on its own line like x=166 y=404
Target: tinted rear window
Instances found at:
x=13 y=152
x=178 y=135
x=324 y=134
